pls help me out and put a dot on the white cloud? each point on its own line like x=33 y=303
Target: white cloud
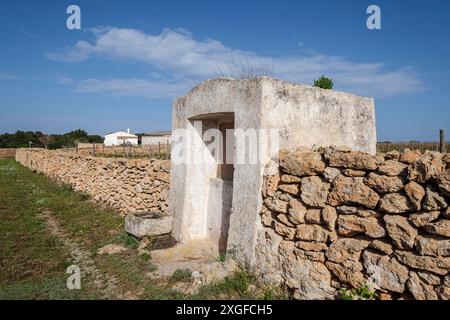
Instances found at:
x=177 y=54
x=134 y=87
x=7 y=76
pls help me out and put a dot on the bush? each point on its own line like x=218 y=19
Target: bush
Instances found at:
x=324 y=83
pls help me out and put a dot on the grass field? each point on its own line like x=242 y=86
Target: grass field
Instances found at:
x=33 y=259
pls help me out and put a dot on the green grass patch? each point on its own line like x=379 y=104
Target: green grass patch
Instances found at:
x=34 y=262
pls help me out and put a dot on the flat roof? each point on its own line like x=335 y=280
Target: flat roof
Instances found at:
x=158 y=133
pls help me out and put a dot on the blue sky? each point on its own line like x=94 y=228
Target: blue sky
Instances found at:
x=131 y=58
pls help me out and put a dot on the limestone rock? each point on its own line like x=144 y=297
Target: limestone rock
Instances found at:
x=415 y=193
x=428 y=246
x=402 y=233
x=297 y=212
x=266 y=218
x=446 y=213
x=446 y=158
x=429 y=166
x=287 y=178
x=429 y=278
x=392 y=155
x=303 y=163
x=385 y=271
x=329 y=217
x=349 y=225
x=311 y=233
x=444 y=289
x=379 y=159
x=270 y=185
x=111 y=249
x=433 y=200
x=284 y=230
x=276 y=205
x=289 y=188
x=354 y=173
x=367 y=213
x=347 y=210
x=392 y=168
x=267 y=256
x=382 y=246
x=444 y=182
x=142 y=224
x=353 y=160
x=350 y=272
x=314 y=191
x=311 y=246
x=271 y=168
x=351 y=191
x=384 y=184
x=423 y=218
x=409 y=156
x=419 y=289
x=440 y=228
x=284 y=219
x=346 y=249
x=331 y=174
x=435 y=265
x=395 y=203
x=310 y=255
x=309 y=279
x=313 y=216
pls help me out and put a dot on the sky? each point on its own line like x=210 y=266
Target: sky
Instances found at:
x=130 y=59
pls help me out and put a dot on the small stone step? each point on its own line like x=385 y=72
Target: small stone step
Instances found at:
x=146 y=223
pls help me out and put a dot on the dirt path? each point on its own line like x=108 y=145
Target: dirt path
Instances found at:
x=106 y=285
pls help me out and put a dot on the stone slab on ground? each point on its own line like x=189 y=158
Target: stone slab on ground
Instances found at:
x=144 y=224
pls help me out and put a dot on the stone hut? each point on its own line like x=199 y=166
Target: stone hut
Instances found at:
x=220 y=202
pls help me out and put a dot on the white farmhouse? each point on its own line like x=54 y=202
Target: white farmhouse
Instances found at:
x=121 y=137
x=154 y=138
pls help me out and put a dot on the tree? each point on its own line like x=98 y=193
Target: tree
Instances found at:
x=324 y=83
x=46 y=140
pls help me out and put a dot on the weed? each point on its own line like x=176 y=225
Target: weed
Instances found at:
x=180 y=275
x=365 y=292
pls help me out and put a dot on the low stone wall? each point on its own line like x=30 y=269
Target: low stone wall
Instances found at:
x=7 y=153
x=335 y=218
x=127 y=185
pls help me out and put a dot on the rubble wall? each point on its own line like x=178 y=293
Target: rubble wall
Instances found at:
x=126 y=185
x=334 y=218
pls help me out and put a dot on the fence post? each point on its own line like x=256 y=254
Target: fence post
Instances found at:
x=167 y=150
x=93 y=149
x=442 y=146
x=159 y=150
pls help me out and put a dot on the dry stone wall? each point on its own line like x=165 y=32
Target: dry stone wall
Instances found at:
x=126 y=185
x=334 y=218
x=7 y=153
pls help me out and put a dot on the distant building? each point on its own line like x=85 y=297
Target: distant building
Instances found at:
x=120 y=137
x=154 y=138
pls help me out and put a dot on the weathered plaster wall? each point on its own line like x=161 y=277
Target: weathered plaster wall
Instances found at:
x=338 y=218
x=309 y=116
x=191 y=182
x=127 y=185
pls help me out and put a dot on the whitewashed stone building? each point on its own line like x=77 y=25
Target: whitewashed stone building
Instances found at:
x=220 y=203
